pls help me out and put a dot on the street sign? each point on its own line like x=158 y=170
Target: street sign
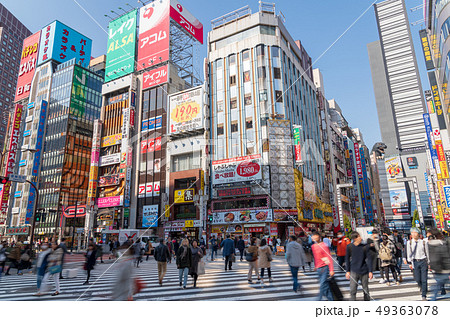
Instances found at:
x=17 y=178
x=80 y=230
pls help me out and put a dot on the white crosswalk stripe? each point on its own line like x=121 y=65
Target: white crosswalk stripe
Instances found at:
x=216 y=285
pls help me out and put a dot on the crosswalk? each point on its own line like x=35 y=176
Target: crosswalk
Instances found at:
x=215 y=285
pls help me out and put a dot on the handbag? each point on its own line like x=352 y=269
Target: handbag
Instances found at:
x=201 y=268
x=233 y=258
x=335 y=290
x=55 y=269
x=269 y=257
x=25 y=257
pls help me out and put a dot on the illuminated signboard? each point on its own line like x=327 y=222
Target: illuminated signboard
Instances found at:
x=234 y=192
x=27 y=65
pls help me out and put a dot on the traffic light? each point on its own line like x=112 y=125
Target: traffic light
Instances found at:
x=38 y=216
x=4 y=179
x=210 y=217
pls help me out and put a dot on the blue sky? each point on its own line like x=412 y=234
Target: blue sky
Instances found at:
x=317 y=24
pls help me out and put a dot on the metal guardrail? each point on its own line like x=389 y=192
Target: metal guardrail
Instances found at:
x=234 y=15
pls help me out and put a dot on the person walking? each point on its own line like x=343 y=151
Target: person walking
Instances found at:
x=89 y=264
x=265 y=257
x=162 y=256
x=341 y=250
x=398 y=242
x=416 y=256
x=324 y=264
x=387 y=256
x=241 y=247
x=137 y=248
x=228 y=251
x=184 y=262
x=54 y=268
x=14 y=258
x=373 y=244
x=438 y=252
x=41 y=266
x=252 y=258
x=148 y=249
x=197 y=255
x=214 y=247
x=295 y=257
x=169 y=245
x=358 y=266
x=306 y=245
x=123 y=286
x=63 y=246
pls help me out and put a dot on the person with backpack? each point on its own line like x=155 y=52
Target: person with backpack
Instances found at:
x=306 y=245
x=358 y=266
x=295 y=257
x=439 y=260
x=252 y=258
x=324 y=265
x=341 y=249
x=416 y=256
x=398 y=242
x=214 y=247
x=387 y=255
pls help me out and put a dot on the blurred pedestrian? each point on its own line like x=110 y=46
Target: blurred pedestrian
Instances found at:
x=358 y=266
x=241 y=247
x=89 y=264
x=54 y=268
x=416 y=256
x=387 y=255
x=197 y=255
x=439 y=259
x=373 y=244
x=63 y=246
x=228 y=251
x=398 y=242
x=14 y=257
x=265 y=257
x=123 y=287
x=295 y=257
x=214 y=246
x=148 y=249
x=341 y=248
x=41 y=266
x=137 y=248
x=184 y=262
x=252 y=258
x=162 y=256
x=306 y=245
x=323 y=264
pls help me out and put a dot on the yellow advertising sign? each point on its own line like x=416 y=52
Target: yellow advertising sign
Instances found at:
x=441 y=185
x=111 y=139
x=93 y=173
x=188 y=223
x=167 y=211
x=202 y=179
x=441 y=216
x=444 y=170
x=184 y=195
x=92 y=190
x=185 y=112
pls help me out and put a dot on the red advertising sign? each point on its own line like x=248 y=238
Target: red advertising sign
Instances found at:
x=255 y=229
x=69 y=211
x=185 y=19
x=154 y=32
x=150 y=145
x=234 y=192
x=28 y=61
x=155 y=77
x=10 y=161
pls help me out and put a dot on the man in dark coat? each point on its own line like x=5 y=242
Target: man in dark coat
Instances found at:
x=63 y=246
x=228 y=251
x=241 y=246
x=162 y=256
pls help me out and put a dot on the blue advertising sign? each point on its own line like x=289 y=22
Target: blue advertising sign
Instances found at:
x=144 y=125
x=158 y=122
x=151 y=124
x=62 y=43
x=36 y=160
x=22 y=162
x=447 y=194
x=429 y=130
x=150 y=216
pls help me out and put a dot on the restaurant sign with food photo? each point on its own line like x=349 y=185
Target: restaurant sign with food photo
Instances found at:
x=242 y=216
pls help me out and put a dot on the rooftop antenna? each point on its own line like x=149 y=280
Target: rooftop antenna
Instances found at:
x=129 y=5
x=141 y=2
x=112 y=11
x=108 y=16
x=122 y=9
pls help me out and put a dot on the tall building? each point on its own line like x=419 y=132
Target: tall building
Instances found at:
x=400 y=105
x=262 y=96
x=12 y=34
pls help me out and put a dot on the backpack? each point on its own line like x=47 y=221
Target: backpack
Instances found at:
x=385 y=253
x=306 y=246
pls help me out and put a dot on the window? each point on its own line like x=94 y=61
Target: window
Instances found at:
x=248 y=99
x=277 y=73
x=263 y=95
x=220 y=129
x=262 y=72
x=249 y=123
x=275 y=52
x=232 y=80
x=279 y=96
x=233 y=103
x=245 y=55
x=260 y=50
x=246 y=76
x=232 y=59
x=234 y=127
x=182 y=162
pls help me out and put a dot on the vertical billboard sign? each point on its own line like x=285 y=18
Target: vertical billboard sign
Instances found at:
x=185 y=19
x=10 y=161
x=79 y=91
x=431 y=145
x=367 y=192
x=95 y=158
x=36 y=160
x=437 y=100
x=121 y=52
x=27 y=66
x=154 y=32
x=297 y=146
x=426 y=49
x=61 y=43
x=440 y=154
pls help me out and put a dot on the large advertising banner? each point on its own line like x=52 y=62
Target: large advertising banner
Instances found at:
x=238 y=169
x=154 y=33
x=399 y=201
x=79 y=92
x=10 y=161
x=186 y=111
x=431 y=145
x=243 y=216
x=121 y=52
x=150 y=216
x=36 y=160
x=440 y=154
x=437 y=100
x=27 y=65
x=309 y=190
x=397 y=190
x=110 y=201
x=185 y=19
x=62 y=43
